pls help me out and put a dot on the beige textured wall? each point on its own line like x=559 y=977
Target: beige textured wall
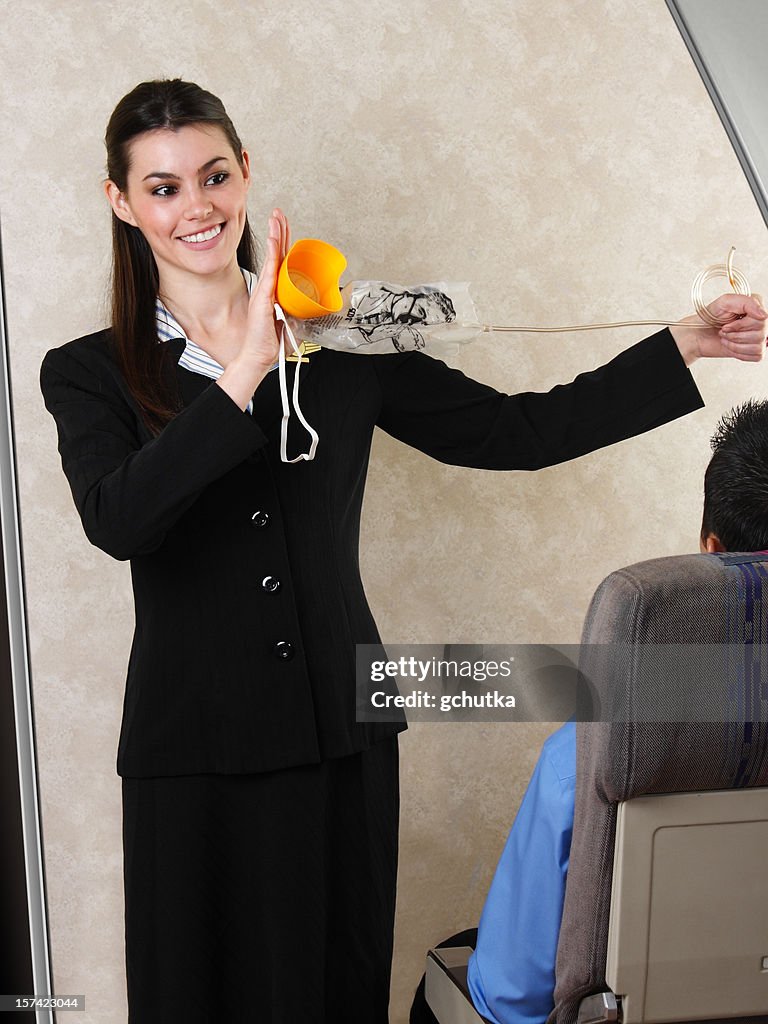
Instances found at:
x=565 y=159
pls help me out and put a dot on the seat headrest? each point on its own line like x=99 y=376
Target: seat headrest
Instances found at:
x=675 y=651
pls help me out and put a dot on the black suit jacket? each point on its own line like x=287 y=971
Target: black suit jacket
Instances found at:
x=206 y=513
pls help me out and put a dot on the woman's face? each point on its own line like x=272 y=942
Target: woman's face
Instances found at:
x=186 y=192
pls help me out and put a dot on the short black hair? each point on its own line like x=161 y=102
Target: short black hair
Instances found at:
x=736 y=480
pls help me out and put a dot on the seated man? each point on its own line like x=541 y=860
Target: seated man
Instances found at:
x=511 y=974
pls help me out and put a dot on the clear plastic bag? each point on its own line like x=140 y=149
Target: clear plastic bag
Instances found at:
x=379 y=317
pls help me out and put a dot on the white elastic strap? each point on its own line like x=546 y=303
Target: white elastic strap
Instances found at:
x=307 y=456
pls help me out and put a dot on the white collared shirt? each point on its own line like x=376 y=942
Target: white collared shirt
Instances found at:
x=193 y=357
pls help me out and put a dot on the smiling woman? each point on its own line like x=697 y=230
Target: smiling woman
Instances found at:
x=177 y=181
x=200 y=207
x=260 y=816
x=192 y=213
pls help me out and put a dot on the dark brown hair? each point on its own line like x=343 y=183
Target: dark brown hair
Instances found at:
x=736 y=480
x=166 y=103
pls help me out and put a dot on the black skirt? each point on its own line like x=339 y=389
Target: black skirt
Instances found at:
x=263 y=898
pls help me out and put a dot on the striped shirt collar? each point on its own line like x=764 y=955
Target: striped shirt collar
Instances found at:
x=193 y=357
x=197 y=360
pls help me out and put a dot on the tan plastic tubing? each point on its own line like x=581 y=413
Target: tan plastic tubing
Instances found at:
x=736 y=279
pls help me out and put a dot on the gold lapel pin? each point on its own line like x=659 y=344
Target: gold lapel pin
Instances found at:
x=306 y=348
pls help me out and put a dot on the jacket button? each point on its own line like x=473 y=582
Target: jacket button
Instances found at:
x=271 y=584
x=260 y=518
x=284 y=650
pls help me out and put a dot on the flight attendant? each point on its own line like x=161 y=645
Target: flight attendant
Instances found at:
x=259 y=816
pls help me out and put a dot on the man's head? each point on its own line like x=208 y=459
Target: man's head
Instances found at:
x=736 y=482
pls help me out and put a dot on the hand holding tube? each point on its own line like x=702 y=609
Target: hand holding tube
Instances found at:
x=742 y=337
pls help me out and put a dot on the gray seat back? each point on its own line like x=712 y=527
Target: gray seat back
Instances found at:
x=685 y=602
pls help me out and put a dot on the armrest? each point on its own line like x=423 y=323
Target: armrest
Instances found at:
x=601 y=1008
x=446 y=988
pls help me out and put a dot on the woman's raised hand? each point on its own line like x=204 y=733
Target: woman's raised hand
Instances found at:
x=261 y=344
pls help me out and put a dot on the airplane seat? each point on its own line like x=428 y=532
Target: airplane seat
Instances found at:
x=666 y=905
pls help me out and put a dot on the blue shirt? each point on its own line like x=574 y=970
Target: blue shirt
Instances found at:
x=511 y=974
